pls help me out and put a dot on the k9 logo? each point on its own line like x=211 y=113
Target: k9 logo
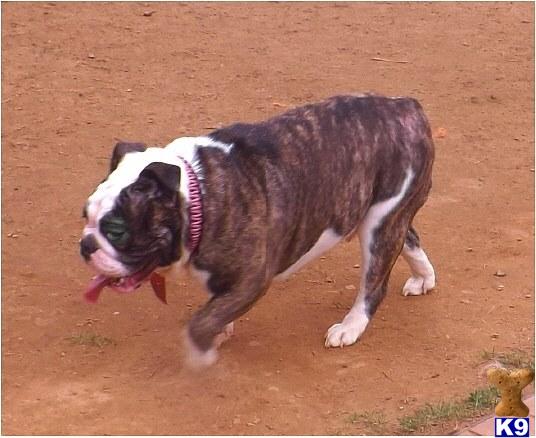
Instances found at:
x=515 y=427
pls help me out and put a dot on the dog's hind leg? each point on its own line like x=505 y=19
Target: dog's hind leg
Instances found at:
x=382 y=234
x=422 y=272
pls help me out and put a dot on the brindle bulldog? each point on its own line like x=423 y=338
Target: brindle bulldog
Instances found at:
x=254 y=202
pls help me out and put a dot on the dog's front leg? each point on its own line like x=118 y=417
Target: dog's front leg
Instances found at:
x=215 y=319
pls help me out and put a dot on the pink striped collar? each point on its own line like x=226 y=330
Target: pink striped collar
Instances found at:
x=195 y=207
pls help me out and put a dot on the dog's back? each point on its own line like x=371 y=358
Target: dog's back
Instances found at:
x=323 y=165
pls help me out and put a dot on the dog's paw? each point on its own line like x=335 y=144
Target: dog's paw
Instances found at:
x=225 y=335
x=194 y=357
x=418 y=286
x=345 y=333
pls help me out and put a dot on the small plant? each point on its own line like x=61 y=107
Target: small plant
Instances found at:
x=476 y=403
x=90 y=339
x=372 y=421
x=484 y=398
x=431 y=415
x=510 y=359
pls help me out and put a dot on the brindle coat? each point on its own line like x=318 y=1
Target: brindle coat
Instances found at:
x=288 y=179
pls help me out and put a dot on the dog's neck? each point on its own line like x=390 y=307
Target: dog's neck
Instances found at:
x=192 y=187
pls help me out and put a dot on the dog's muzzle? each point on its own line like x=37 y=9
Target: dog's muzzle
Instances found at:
x=88 y=245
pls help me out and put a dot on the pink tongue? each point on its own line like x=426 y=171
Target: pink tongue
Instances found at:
x=95 y=288
x=98 y=283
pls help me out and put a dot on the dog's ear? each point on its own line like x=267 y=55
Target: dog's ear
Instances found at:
x=121 y=149
x=167 y=176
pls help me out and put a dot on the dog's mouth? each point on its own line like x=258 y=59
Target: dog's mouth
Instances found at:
x=127 y=284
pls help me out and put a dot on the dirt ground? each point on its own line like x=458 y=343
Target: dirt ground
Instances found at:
x=77 y=77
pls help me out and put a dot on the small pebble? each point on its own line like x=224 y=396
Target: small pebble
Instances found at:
x=91 y=56
x=356 y=266
x=115 y=313
x=465 y=301
x=500 y=287
x=350 y=287
x=148 y=13
x=495 y=335
x=500 y=273
x=469 y=249
x=528 y=296
x=440 y=133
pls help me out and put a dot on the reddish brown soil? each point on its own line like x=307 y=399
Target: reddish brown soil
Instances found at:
x=76 y=77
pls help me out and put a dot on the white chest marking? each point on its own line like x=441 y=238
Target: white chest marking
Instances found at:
x=202 y=277
x=180 y=268
x=327 y=240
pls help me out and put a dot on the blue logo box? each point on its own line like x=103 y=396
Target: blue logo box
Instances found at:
x=512 y=427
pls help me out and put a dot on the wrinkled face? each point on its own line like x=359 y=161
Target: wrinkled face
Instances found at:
x=134 y=217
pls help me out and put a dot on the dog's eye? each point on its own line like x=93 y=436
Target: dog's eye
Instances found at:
x=118 y=238
x=115 y=230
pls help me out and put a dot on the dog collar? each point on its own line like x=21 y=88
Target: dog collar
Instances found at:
x=195 y=207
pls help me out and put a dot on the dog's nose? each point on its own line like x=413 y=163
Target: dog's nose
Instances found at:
x=88 y=245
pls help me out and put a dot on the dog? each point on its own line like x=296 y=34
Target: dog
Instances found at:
x=255 y=202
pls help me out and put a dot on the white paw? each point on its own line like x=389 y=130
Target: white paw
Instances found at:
x=418 y=286
x=195 y=358
x=225 y=335
x=345 y=333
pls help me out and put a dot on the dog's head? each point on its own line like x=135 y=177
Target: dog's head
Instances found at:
x=134 y=218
